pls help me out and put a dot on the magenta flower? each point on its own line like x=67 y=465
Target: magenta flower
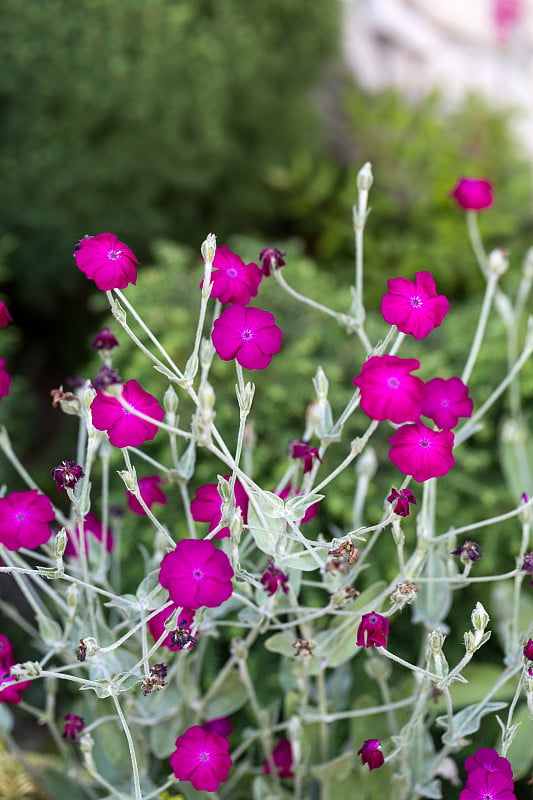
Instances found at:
x=299 y=448
x=271 y=259
x=92 y=525
x=247 y=334
x=24 y=518
x=149 y=488
x=283 y=759
x=196 y=574
x=5 y=379
x=371 y=754
x=401 y=499
x=233 y=280
x=67 y=475
x=387 y=389
x=73 y=726
x=528 y=650
x=201 y=757
x=123 y=427
x=206 y=506
x=488 y=759
x=444 y=401
x=473 y=194
x=414 y=306
x=5 y=316
x=104 y=340
x=373 y=630
x=418 y=451
x=221 y=725
x=506 y=15
x=484 y=785
x=290 y=491
x=11 y=689
x=273 y=579
x=156 y=625
x=106 y=261
x=6 y=655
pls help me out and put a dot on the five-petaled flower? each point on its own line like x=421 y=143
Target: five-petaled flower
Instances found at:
x=109 y=263
x=484 y=785
x=247 y=334
x=24 y=518
x=67 y=475
x=373 y=630
x=233 y=280
x=388 y=391
x=421 y=452
x=473 y=194
x=73 y=725
x=201 y=757
x=414 y=306
x=196 y=574
x=5 y=379
x=282 y=759
x=124 y=427
x=444 y=401
x=488 y=759
x=206 y=506
x=401 y=500
x=150 y=491
x=371 y=754
x=300 y=448
x=273 y=578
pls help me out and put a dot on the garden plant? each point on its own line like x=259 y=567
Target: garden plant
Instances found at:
x=201 y=613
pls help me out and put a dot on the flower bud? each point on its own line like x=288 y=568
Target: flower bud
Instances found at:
x=480 y=618
x=208 y=248
x=129 y=476
x=170 y=403
x=498 y=262
x=365 y=179
x=60 y=543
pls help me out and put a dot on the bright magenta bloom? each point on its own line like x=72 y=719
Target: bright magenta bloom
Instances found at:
x=233 y=280
x=418 y=451
x=444 y=401
x=5 y=316
x=150 y=493
x=5 y=379
x=201 y=757
x=250 y=335
x=206 y=506
x=282 y=758
x=488 y=759
x=123 y=427
x=106 y=261
x=24 y=518
x=156 y=625
x=73 y=726
x=371 y=754
x=414 y=306
x=196 y=574
x=6 y=654
x=473 y=194
x=528 y=650
x=387 y=389
x=92 y=525
x=11 y=689
x=401 y=499
x=373 y=630
x=484 y=785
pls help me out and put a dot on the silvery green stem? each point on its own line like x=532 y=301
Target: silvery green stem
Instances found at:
x=187 y=509
x=357 y=446
x=518 y=580
x=492 y=281
x=133 y=757
x=151 y=516
x=475 y=240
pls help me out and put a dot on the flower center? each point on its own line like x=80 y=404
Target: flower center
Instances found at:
x=247 y=334
x=20 y=515
x=416 y=301
x=393 y=383
x=232 y=272
x=204 y=756
x=423 y=443
x=114 y=255
x=197 y=574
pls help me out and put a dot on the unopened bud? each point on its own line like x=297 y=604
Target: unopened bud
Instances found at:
x=480 y=618
x=170 y=403
x=60 y=543
x=321 y=384
x=365 y=179
x=208 y=248
x=498 y=262
x=129 y=476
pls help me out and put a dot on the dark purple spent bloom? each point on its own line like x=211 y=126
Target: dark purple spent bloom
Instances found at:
x=528 y=650
x=401 y=499
x=271 y=259
x=105 y=377
x=273 y=578
x=73 y=726
x=371 y=754
x=469 y=552
x=300 y=448
x=182 y=638
x=373 y=630
x=104 y=340
x=67 y=475
x=527 y=564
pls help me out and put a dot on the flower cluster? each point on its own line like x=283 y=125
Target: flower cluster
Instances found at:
x=489 y=776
